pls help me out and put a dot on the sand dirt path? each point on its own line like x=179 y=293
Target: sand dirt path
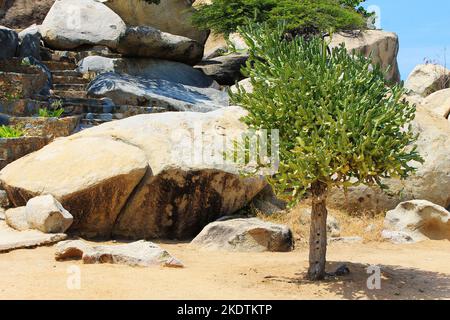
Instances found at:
x=419 y=271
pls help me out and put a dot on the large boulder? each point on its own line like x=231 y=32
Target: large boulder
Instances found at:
x=170 y=96
x=172 y=16
x=145 y=41
x=382 y=45
x=149 y=68
x=9 y=41
x=226 y=70
x=438 y=103
x=98 y=175
x=46 y=214
x=428 y=78
x=136 y=254
x=431 y=181
x=71 y=24
x=245 y=235
x=419 y=220
x=91 y=177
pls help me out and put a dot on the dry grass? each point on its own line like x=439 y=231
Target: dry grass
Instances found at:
x=365 y=225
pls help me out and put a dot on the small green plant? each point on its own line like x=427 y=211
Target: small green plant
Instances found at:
x=339 y=124
x=25 y=62
x=46 y=113
x=10 y=132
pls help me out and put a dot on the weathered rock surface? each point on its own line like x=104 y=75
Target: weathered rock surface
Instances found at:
x=30 y=42
x=16 y=218
x=46 y=214
x=172 y=16
x=170 y=96
x=246 y=235
x=102 y=174
x=11 y=239
x=19 y=14
x=428 y=78
x=70 y=24
x=106 y=190
x=136 y=254
x=420 y=220
x=145 y=41
x=217 y=45
x=245 y=84
x=149 y=68
x=438 y=103
x=382 y=45
x=268 y=203
x=431 y=181
x=9 y=41
x=226 y=70
x=397 y=237
x=4 y=201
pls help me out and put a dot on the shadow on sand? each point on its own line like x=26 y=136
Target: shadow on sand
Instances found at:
x=397 y=282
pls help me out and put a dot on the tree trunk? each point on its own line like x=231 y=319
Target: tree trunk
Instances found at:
x=318 y=232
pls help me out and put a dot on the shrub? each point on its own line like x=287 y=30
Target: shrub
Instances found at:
x=339 y=124
x=46 y=113
x=225 y=16
x=10 y=132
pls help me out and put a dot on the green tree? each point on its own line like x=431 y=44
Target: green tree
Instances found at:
x=225 y=16
x=339 y=124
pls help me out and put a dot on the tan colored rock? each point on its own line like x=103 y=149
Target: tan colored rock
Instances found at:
x=98 y=173
x=426 y=79
x=172 y=16
x=245 y=235
x=16 y=218
x=11 y=239
x=438 y=103
x=91 y=177
x=431 y=181
x=182 y=194
x=136 y=254
x=217 y=45
x=46 y=214
x=420 y=220
x=245 y=84
x=382 y=45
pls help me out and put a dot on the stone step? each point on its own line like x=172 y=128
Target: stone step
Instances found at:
x=81 y=54
x=69 y=80
x=58 y=65
x=66 y=73
x=70 y=87
x=70 y=94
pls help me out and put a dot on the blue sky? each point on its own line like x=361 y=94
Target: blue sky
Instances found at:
x=423 y=28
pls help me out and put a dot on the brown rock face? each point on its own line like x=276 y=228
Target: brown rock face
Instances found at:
x=20 y=14
x=182 y=203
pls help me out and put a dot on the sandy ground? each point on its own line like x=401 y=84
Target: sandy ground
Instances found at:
x=419 y=271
